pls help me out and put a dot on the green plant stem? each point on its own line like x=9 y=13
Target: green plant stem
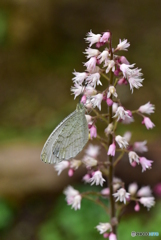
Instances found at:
x=118 y=159
x=111 y=168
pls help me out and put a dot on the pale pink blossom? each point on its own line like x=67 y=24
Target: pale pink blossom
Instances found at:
x=92 y=38
x=77 y=90
x=89 y=119
x=89 y=161
x=112 y=91
x=121 y=141
x=75 y=164
x=109 y=129
x=79 y=77
x=124 y=60
x=148 y=123
x=132 y=188
x=110 y=64
x=105 y=191
x=123 y=45
x=97 y=100
x=121 y=195
x=135 y=82
x=105 y=37
x=94 y=79
x=128 y=120
x=147 y=202
x=86 y=178
x=103 y=56
x=89 y=91
x=97 y=178
x=90 y=52
x=126 y=69
x=112 y=236
x=147 y=108
x=145 y=163
x=144 y=192
x=114 y=107
x=92 y=150
x=93 y=131
x=111 y=150
x=140 y=147
x=59 y=167
x=133 y=157
x=104 y=227
x=91 y=64
x=127 y=136
x=121 y=114
x=73 y=197
x=116 y=183
x=88 y=103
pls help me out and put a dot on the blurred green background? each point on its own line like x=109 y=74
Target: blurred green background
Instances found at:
x=41 y=43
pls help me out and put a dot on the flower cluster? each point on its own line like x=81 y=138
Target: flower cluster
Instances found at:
x=109 y=69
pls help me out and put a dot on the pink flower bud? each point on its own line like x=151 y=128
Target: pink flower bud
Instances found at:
x=137 y=207
x=70 y=172
x=109 y=101
x=83 y=99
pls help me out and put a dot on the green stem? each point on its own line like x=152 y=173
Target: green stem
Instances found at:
x=104 y=75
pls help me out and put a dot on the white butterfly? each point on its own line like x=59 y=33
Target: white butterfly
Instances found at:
x=68 y=138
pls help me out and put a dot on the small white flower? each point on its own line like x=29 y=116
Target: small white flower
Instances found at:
x=90 y=52
x=59 y=167
x=92 y=38
x=109 y=129
x=140 y=146
x=110 y=64
x=128 y=120
x=147 y=108
x=75 y=164
x=73 y=197
x=88 y=118
x=127 y=136
x=147 y=202
x=89 y=161
x=104 y=227
x=97 y=100
x=135 y=82
x=92 y=150
x=112 y=91
x=123 y=45
x=121 y=141
x=94 y=79
x=144 y=192
x=126 y=69
x=121 y=195
x=121 y=114
x=145 y=163
x=132 y=189
x=116 y=183
x=90 y=64
x=79 y=77
x=114 y=107
x=103 y=56
x=97 y=178
x=133 y=157
x=148 y=123
x=77 y=90
x=89 y=91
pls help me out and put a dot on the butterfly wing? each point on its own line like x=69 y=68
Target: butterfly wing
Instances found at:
x=68 y=139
